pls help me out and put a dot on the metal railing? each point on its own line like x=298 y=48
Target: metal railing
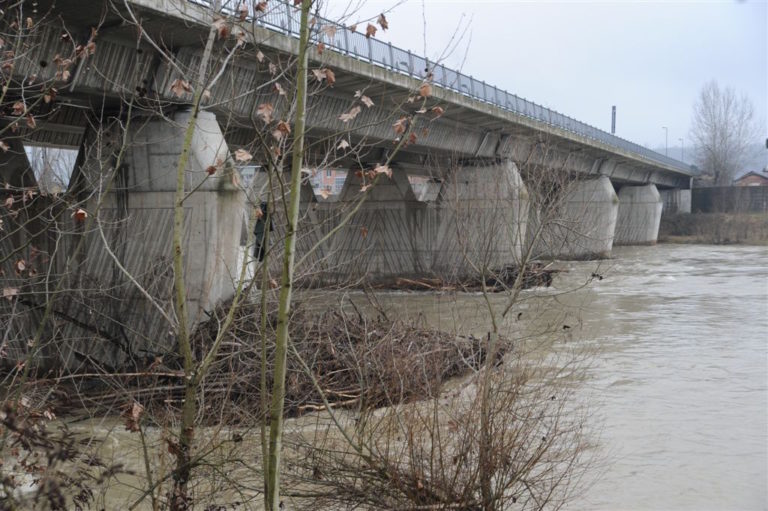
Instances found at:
x=282 y=17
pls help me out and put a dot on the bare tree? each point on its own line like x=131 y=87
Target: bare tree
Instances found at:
x=723 y=128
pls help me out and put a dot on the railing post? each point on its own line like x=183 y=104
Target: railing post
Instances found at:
x=471 y=86
x=370 y=50
x=495 y=95
x=410 y=63
x=346 y=40
x=445 y=77
x=391 y=57
x=289 y=17
x=426 y=67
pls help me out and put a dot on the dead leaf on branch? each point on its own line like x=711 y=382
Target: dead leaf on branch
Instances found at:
x=353 y=28
x=222 y=28
x=348 y=116
x=330 y=31
x=400 y=125
x=259 y=56
x=31 y=122
x=364 y=232
x=264 y=111
x=4 y=146
x=243 y=156
x=242 y=10
x=180 y=87
x=382 y=21
x=10 y=292
x=324 y=193
x=132 y=417
x=279 y=89
x=383 y=169
x=438 y=111
x=343 y=145
x=370 y=31
x=80 y=214
x=425 y=90
x=320 y=47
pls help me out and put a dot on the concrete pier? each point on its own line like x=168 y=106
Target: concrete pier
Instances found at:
x=676 y=200
x=582 y=226
x=639 y=215
x=476 y=222
x=137 y=222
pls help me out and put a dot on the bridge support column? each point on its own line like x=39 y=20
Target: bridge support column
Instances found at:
x=137 y=221
x=639 y=215
x=583 y=226
x=676 y=200
x=477 y=223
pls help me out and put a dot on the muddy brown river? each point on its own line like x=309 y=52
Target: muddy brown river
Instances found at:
x=678 y=383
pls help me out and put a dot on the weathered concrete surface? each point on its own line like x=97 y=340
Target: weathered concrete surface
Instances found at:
x=639 y=215
x=103 y=317
x=676 y=200
x=477 y=222
x=582 y=226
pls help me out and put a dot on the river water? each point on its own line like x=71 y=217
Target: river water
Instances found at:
x=679 y=382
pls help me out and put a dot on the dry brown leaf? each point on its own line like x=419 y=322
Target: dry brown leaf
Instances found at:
x=438 y=111
x=284 y=127
x=272 y=284
x=80 y=214
x=343 y=144
x=18 y=108
x=320 y=47
x=330 y=77
x=31 y=122
x=220 y=24
x=242 y=10
x=243 y=156
x=348 y=116
x=366 y=101
x=353 y=28
x=264 y=111
x=370 y=30
x=211 y=170
x=364 y=232
x=330 y=31
x=30 y=23
x=319 y=74
x=50 y=95
x=425 y=90
x=383 y=169
x=324 y=193
x=272 y=69
x=382 y=21
x=132 y=417
x=10 y=292
x=180 y=87
x=259 y=56
x=400 y=125
x=4 y=146
x=20 y=265
x=8 y=202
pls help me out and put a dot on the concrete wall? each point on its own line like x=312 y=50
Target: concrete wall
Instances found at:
x=639 y=215
x=582 y=226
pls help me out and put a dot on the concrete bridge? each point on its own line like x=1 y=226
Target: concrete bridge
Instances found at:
x=479 y=159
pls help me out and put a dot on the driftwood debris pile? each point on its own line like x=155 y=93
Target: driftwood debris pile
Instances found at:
x=534 y=275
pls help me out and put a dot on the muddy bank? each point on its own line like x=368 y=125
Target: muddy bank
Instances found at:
x=715 y=228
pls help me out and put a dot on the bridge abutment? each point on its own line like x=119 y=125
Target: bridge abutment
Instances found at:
x=639 y=215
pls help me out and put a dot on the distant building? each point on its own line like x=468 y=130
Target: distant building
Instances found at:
x=329 y=180
x=752 y=179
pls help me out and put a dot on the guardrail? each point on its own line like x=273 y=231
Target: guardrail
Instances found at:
x=282 y=17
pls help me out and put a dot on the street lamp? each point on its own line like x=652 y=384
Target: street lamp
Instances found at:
x=666 y=140
x=682 y=149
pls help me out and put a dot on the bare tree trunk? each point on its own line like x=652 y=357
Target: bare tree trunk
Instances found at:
x=179 y=498
x=284 y=308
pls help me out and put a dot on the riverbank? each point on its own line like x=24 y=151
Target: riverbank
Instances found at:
x=715 y=228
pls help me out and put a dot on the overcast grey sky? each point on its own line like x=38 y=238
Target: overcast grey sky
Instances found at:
x=650 y=59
